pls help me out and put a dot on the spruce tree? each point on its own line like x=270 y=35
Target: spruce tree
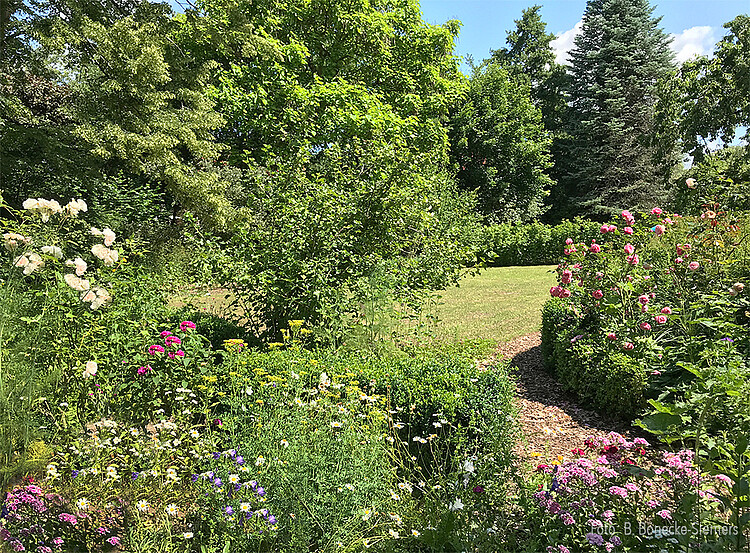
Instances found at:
x=619 y=56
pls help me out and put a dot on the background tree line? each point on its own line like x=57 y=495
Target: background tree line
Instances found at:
x=314 y=154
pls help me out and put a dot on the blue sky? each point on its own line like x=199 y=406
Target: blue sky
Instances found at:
x=695 y=24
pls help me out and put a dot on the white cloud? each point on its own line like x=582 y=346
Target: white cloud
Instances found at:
x=695 y=41
x=564 y=42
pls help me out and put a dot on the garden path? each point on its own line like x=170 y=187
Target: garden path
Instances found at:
x=551 y=420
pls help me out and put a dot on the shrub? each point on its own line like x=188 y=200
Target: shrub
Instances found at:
x=534 y=243
x=557 y=318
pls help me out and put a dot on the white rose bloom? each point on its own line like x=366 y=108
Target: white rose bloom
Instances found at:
x=74 y=207
x=91 y=368
x=13 y=240
x=31 y=203
x=96 y=232
x=79 y=264
x=78 y=284
x=109 y=237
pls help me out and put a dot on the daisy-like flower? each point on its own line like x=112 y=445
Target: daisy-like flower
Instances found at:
x=395 y=518
x=245 y=469
x=82 y=504
x=284 y=444
x=398 y=425
x=260 y=460
x=405 y=487
x=194 y=433
x=366 y=514
x=187 y=535
x=298 y=402
x=52 y=471
x=245 y=507
x=234 y=478
x=416 y=533
x=349 y=487
x=154 y=473
x=335 y=424
x=172 y=509
x=366 y=543
x=171 y=474
x=142 y=505
x=393 y=533
x=395 y=496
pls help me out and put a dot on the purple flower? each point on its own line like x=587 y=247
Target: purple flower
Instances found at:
x=261 y=492
x=240 y=460
x=228 y=510
x=615 y=540
x=595 y=539
x=194 y=478
x=134 y=475
x=216 y=455
x=567 y=519
x=478 y=489
x=74 y=473
x=114 y=540
x=271 y=519
x=218 y=482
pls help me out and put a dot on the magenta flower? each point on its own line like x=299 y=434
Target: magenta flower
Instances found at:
x=628 y=217
x=628 y=346
x=187 y=325
x=604 y=229
x=612 y=228
x=172 y=341
x=595 y=248
x=565 y=293
x=165 y=333
x=660 y=319
x=152 y=350
x=628 y=230
x=598 y=294
x=629 y=249
x=566 y=277
x=656 y=211
x=114 y=540
x=612 y=336
x=659 y=229
x=643 y=299
x=569 y=241
x=694 y=265
x=645 y=326
x=666 y=310
x=665 y=514
x=633 y=259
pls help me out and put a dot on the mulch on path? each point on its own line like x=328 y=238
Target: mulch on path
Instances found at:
x=551 y=420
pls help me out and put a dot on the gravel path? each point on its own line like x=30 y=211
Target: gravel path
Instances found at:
x=551 y=420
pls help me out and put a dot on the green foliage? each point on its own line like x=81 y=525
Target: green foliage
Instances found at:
x=317 y=241
x=618 y=57
x=556 y=318
x=500 y=146
x=534 y=243
x=708 y=97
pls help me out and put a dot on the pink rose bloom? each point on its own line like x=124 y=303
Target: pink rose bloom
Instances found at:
x=604 y=229
x=645 y=326
x=666 y=310
x=569 y=241
x=644 y=308
x=612 y=336
x=628 y=217
x=612 y=228
x=656 y=211
x=566 y=277
x=659 y=229
x=595 y=248
x=564 y=293
x=179 y=353
x=628 y=346
x=643 y=299
x=633 y=259
x=152 y=350
x=554 y=291
x=694 y=265
x=660 y=319
x=629 y=249
x=668 y=221
x=678 y=260
x=598 y=294
x=627 y=230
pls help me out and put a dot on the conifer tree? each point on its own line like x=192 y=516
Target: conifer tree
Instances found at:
x=618 y=59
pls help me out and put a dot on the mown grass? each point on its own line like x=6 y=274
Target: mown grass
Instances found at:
x=500 y=304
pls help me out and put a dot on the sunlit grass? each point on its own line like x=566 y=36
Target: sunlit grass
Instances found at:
x=500 y=304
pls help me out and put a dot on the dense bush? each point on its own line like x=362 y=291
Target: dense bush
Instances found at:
x=660 y=311
x=534 y=243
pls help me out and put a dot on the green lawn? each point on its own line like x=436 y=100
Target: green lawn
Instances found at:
x=499 y=304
